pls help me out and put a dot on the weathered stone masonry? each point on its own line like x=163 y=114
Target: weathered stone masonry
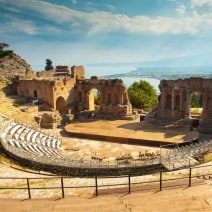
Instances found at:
x=65 y=92
x=175 y=100
x=113 y=95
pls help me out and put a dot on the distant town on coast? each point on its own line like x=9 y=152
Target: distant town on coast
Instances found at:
x=166 y=73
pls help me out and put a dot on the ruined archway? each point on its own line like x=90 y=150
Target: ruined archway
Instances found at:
x=113 y=101
x=196 y=105
x=176 y=99
x=60 y=104
x=94 y=99
x=195 y=109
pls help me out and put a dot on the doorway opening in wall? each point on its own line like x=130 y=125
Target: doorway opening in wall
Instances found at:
x=196 y=108
x=35 y=94
x=94 y=96
x=60 y=104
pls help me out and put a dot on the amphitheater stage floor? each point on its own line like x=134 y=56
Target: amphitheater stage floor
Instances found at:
x=131 y=132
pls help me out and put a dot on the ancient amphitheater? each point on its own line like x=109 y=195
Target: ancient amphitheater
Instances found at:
x=88 y=158
x=36 y=149
x=39 y=150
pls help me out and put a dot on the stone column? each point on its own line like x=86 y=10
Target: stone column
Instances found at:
x=121 y=99
x=205 y=99
x=188 y=101
x=103 y=96
x=173 y=102
x=205 y=103
x=162 y=99
x=53 y=97
x=181 y=99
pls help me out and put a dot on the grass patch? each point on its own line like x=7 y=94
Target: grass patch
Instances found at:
x=4 y=53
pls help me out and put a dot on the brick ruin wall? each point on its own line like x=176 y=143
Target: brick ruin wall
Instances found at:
x=113 y=96
x=74 y=92
x=47 y=90
x=78 y=72
x=175 y=100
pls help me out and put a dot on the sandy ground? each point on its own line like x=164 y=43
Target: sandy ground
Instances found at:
x=196 y=198
x=84 y=148
x=78 y=148
x=134 y=129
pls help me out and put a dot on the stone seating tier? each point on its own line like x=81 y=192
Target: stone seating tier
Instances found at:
x=32 y=141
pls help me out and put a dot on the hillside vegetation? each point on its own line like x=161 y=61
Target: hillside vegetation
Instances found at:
x=12 y=66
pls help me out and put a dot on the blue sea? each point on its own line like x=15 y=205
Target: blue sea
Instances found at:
x=128 y=81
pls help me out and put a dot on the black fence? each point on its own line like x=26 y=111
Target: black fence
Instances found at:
x=174 y=159
x=127 y=184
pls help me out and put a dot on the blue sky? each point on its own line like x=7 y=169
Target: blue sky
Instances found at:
x=80 y=32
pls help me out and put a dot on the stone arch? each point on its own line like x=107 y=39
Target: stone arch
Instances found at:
x=168 y=101
x=192 y=108
x=60 y=104
x=177 y=102
x=91 y=98
x=113 y=100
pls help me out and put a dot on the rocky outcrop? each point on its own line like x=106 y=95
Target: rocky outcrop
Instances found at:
x=12 y=67
x=50 y=120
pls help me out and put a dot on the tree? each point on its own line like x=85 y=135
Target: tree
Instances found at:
x=97 y=98
x=3 y=45
x=3 y=52
x=142 y=95
x=196 y=100
x=49 y=65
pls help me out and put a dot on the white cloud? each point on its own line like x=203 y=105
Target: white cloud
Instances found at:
x=203 y=7
x=57 y=13
x=74 y=1
x=139 y=24
x=200 y=3
x=110 y=7
x=12 y=9
x=25 y=26
x=101 y=22
x=181 y=9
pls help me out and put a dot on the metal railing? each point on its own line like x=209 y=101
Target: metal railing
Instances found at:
x=127 y=184
x=175 y=158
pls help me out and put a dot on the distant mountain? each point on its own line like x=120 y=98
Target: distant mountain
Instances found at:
x=181 y=67
x=203 y=60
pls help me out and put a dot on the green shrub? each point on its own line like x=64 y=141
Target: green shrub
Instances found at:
x=4 y=53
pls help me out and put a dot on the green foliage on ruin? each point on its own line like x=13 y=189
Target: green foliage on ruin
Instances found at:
x=97 y=98
x=4 y=53
x=142 y=95
x=49 y=65
x=196 y=100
